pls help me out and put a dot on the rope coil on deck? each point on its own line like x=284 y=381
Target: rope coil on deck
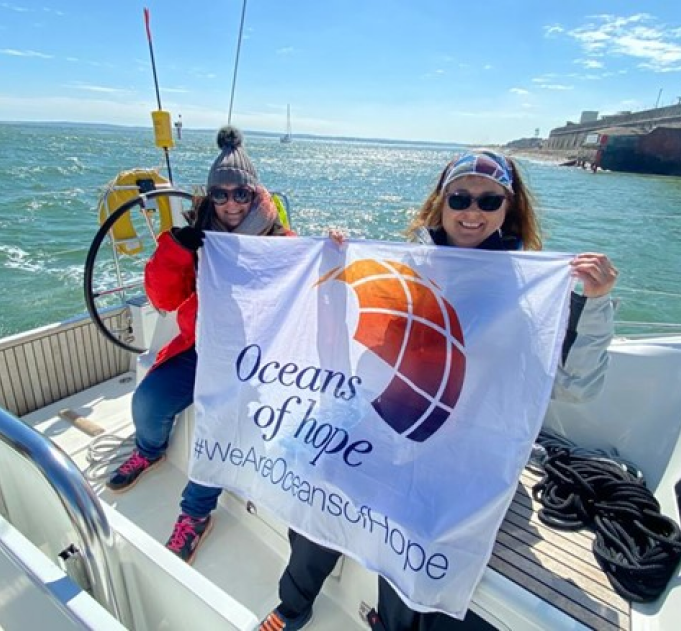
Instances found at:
x=105 y=453
x=636 y=546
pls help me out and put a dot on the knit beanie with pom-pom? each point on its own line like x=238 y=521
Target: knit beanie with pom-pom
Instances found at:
x=232 y=167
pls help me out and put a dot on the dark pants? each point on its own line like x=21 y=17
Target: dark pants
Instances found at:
x=310 y=564
x=307 y=569
x=396 y=616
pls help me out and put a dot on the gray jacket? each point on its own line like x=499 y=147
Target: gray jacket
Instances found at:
x=581 y=371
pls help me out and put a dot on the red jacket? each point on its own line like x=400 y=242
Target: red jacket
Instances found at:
x=170 y=283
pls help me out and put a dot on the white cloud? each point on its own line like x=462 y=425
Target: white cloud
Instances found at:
x=438 y=72
x=656 y=68
x=24 y=53
x=97 y=88
x=545 y=78
x=476 y=125
x=640 y=36
x=518 y=91
x=555 y=86
x=175 y=90
x=590 y=63
x=554 y=29
x=90 y=62
x=13 y=7
x=203 y=75
x=80 y=109
x=288 y=50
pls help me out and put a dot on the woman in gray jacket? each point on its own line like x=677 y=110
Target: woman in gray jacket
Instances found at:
x=480 y=202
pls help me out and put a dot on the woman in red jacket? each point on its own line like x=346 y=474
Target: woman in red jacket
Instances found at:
x=235 y=202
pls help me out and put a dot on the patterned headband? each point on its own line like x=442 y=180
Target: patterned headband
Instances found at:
x=486 y=164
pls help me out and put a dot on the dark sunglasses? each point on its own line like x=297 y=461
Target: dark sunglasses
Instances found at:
x=487 y=202
x=240 y=195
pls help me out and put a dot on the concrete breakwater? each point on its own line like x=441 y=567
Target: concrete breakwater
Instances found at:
x=573 y=135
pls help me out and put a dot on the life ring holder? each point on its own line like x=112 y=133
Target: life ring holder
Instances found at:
x=125 y=186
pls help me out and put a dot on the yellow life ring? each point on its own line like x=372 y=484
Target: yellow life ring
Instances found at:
x=124 y=187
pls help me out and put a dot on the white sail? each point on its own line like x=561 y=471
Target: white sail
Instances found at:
x=287 y=137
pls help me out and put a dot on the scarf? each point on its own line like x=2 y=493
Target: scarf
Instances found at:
x=260 y=219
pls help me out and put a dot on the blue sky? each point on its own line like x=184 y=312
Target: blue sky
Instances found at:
x=439 y=70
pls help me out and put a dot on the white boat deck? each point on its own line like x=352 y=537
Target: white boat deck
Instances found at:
x=153 y=505
x=556 y=566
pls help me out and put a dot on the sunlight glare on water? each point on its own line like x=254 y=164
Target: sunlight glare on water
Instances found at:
x=51 y=177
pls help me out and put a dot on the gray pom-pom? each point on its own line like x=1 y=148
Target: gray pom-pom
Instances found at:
x=229 y=138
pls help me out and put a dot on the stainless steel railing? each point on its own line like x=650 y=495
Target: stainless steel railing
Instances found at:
x=81 y=506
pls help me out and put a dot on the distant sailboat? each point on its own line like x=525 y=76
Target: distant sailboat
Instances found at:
x=287 y=137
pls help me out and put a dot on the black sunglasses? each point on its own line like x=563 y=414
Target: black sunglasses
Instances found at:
x=241 y=195
x=487 y=202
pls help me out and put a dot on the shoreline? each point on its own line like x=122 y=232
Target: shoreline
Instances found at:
x=556 y=156
x=553 y=156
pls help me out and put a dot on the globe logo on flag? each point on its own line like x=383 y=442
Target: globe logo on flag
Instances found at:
x=405 y=320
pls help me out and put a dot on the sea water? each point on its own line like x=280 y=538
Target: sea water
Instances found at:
x=51 y=177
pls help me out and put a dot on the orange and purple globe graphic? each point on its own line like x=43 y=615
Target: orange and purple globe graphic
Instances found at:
x=405 y=320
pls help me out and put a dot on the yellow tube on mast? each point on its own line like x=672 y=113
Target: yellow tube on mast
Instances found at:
x=163 y=135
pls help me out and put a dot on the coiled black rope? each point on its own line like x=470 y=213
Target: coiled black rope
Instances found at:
x=549 y=442
x=636 y=546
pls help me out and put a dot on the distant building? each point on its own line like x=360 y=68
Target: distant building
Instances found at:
x=572 y=135
x=588 y=116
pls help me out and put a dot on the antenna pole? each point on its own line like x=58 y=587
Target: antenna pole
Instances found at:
x=158 y=93
x=236 y=61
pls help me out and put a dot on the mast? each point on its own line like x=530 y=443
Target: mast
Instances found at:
x=236 y=61
x=287 y=136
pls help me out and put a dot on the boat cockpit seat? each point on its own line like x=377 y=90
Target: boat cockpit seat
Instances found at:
x=638 y=413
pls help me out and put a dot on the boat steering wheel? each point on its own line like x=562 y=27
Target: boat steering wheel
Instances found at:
x=90 y=294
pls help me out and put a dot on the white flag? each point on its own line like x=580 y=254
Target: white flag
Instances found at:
x=382 y=398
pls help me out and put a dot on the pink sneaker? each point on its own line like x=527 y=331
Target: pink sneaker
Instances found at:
x=188 y=534
x=128 y=473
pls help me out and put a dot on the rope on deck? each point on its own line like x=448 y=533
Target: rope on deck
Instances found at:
x=636 y=546
x=105 y=453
